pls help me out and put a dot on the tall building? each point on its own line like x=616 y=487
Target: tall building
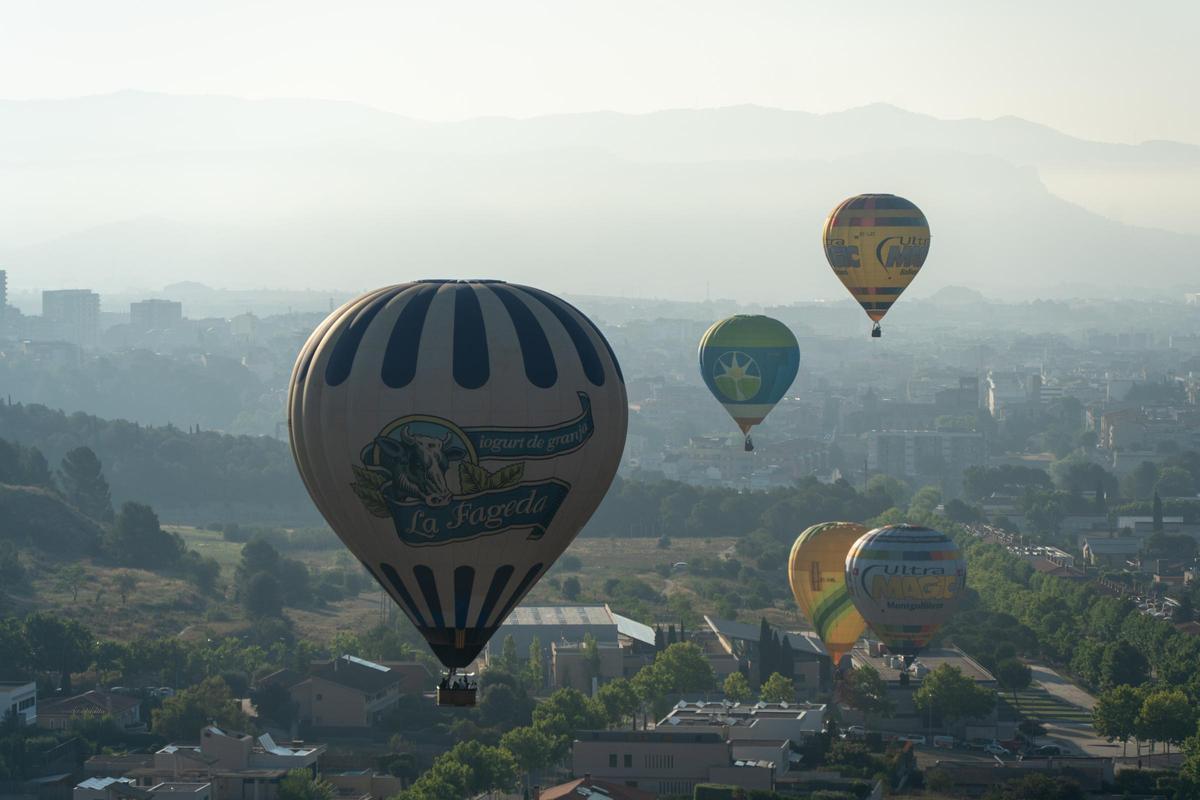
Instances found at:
x=147 y=315
x=909 y=454
x=74 y=314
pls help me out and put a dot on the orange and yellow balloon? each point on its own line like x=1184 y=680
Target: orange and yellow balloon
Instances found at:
x=876 y=244
x=816 y=572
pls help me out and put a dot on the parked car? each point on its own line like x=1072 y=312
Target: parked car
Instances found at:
x=997 y=749
x=915 y=738
x=944 y=742
x=978 y=744
x=855 y=732
x=1045 y=751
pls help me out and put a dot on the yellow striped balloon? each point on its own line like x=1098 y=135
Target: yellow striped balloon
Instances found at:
x=817 y=574
x=876 y=244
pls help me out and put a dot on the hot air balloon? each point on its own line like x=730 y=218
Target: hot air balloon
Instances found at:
x=876 y=244
x=817 y=575
x=457 y=435
x=748 y=362
x=906 y=581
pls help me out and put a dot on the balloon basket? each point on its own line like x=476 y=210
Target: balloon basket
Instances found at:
x=456 y=690
x=461 y=698
x=876 y=331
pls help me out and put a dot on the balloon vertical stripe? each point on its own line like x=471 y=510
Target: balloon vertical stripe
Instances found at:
x=404 y=344
x=536 y=354
x=499 y=583
x=471 y=367
x=428 y=585
x=464 y=579
x=583 y=345
x=402 y=591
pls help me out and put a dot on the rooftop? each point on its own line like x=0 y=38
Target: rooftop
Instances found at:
x=597 y=790
x=633 y=629
x=90 y=702
x=932 y=659
x=101 y=783
x=684 y=737
x=356 y=673
x=563 y=615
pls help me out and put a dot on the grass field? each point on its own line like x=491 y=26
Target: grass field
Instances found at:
x=1042 y=706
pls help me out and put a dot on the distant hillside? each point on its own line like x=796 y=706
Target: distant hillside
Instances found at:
x=37 y=518
x=317 y=194
x=187 y=477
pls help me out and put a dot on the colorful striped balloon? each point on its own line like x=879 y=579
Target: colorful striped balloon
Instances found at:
x=876 y=244
x=748 y=362
x=817 y=575
x=906 y=581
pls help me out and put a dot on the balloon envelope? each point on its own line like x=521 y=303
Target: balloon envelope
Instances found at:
x=817 y=575
x=457 y=436
x=906 y=581
x=876 y=244
x=748 y=362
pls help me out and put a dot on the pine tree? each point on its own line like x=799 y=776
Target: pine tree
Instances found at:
x=671 y=635
x=787 y=660
x=84 y=484
x=682 y=634
x=659 y=640
x=1101 y=499
x=1158 y=512
x=765 y=656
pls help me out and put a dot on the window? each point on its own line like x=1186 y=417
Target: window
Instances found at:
x=612 y=759
x=26 y=703
x=659 y=762
x=629 y=761
x=631 y=783
x=319 y=696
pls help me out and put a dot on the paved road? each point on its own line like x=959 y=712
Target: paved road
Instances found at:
x=1061 y=688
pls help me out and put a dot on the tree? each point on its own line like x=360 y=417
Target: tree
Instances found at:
x=1139 y=484
x=1157 y=512
x=953 y=695
x=126 y=583
x=1011 y=674
x=57 y=645
x=299 y=784
x=1116 y=713
x=530 y=748
x=778 y=689
x=536 y=668
x=787 y=659
x=467 y=769
x=686 y=668
x=1175 y=482
x=571 y=588
x=184 y=714
x=137 y=539
x=591 y=656
x=70 y=578
x=504 y=705
x=620 y=700
x=865 y=689
x=508 y=655
x=263 y=596
x=737 y=688
x=1122 y=664
x=84 y=484
x=1166 y=716
x=766 y=655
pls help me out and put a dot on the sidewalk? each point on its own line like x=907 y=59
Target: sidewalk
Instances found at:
x=1061 y=688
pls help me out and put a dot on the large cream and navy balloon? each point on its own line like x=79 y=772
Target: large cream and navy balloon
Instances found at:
x=457 y=435
x=906 y=581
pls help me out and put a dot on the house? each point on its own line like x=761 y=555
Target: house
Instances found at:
x=665 y=762
x=346 y=692
x=563 y=626
x=1110 y=552
x=19 y=698
x=588 y=786
x=743 y=722
x=239 y=766
x=58 y=714
x=739 y=644
x=97 y=788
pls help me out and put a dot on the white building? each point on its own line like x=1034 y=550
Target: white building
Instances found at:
x=19 y=698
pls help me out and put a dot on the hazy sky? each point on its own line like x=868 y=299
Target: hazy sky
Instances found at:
x=1119 y=71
